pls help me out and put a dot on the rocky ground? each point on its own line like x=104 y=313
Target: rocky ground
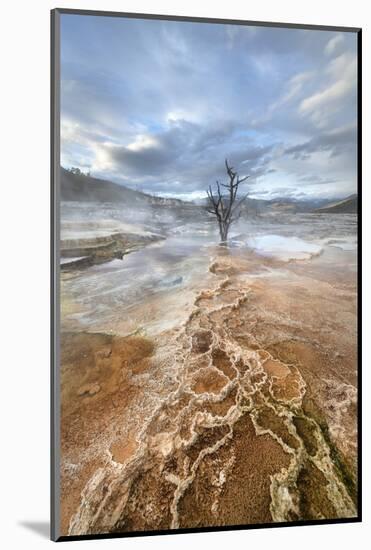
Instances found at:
x=87 y=243
x=244 y=413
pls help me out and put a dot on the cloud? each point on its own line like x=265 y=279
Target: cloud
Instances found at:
x=161 y=104
x=328 y=96
x=296 y=84
x=147 y=156
x=292 y=89
x=321 y=105
x=315 y=179
x=334 y=43
x=185 y=153
x=335 y=142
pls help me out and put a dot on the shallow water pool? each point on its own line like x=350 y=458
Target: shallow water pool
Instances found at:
x=283 y=248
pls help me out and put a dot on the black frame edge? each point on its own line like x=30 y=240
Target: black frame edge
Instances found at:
x=359 y=271
x=54 y=273
x=195 y=530
x=52 y=324
x=197 y=19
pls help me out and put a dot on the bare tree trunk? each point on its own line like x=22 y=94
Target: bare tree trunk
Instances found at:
x=223 y=230
x=225 y=207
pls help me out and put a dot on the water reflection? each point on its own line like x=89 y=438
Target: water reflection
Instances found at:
x=98 y=295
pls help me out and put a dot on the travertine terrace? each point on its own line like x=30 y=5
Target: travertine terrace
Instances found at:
x=242 y=410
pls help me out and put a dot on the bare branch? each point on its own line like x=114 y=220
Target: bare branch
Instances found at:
x=230 y=170
x=239 y=203
x=225 y=207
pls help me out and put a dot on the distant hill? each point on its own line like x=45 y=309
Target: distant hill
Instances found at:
x=279 y=205
x=345 y=206
x=78 y=187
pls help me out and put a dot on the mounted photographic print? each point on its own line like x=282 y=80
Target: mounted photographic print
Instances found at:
x=205 y=274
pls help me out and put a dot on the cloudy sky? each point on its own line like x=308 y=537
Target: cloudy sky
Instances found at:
x=159 y=105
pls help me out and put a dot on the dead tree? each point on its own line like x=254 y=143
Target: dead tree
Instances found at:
x=225 y=206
